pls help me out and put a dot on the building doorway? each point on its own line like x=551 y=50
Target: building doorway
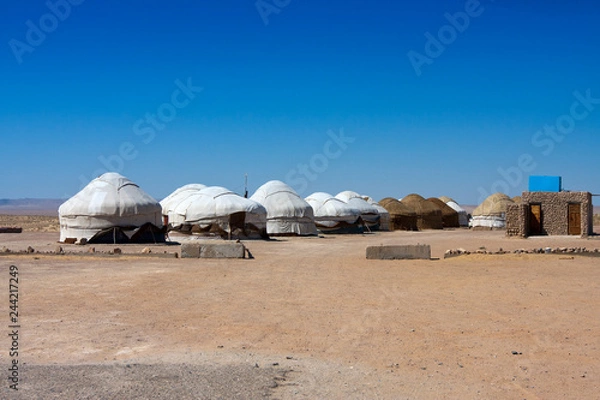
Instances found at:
x=574 y=219
x=535 y=219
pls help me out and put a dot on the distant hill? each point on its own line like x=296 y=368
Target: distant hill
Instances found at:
x=30 y=206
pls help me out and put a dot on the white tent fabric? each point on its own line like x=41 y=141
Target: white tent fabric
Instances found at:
x=215 y=205
x=463 y=217
x=168 y=203
x=384 y=215
x=488 y=221
x=368 y=213
x=108 y=201
x=331 y=212
x=287 y=212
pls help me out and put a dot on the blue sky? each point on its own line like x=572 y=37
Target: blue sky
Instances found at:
x=274 y=95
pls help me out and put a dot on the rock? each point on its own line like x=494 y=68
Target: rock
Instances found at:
x=117 y=251
x=146 y=250
x=92 y=250
x=30 y=249
x=4 y=249
x=460 y=250
x=59 y=250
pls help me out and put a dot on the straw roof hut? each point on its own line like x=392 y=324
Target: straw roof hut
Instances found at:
x=517 y=199
x=449 y=215
x=491 y=214
x=428 y=215
x=402 y=217
x=463 y=216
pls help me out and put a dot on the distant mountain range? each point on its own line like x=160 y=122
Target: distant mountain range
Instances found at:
x=30 y=206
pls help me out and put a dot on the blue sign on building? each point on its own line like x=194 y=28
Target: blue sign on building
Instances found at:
x=538 y=183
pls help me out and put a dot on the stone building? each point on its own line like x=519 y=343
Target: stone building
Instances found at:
x=551 y=213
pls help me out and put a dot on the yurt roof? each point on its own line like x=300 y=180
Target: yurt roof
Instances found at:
x=281 y=200
x=495 y=204
x=378 y=206
x=111 y=194
x=215 y=202
x=324 y=204
x=396 y=207
x=446 y=209
x=420 y=205
x=169 y=202
x=517 y=199
x=446 y=199
x=355 y=200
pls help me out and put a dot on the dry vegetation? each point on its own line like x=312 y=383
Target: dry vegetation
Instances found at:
x=31 y=223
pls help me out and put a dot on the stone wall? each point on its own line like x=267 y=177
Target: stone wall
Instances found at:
x=555 y=211
x=516 y=220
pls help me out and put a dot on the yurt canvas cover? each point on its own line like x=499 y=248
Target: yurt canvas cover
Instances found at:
x=491 y=214
x=402 y=217
x=333 y=215
x=384 y=215
x=111 y=209
x=287 y=212
x=168 y=203
x=368 y=213
x=217 y=210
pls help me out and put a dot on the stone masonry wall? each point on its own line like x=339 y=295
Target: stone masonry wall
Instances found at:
x=516 y=220
x=555 y=210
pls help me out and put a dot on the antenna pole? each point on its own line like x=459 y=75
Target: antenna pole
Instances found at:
x=246 y=185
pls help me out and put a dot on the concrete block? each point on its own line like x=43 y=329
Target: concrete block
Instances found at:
x=190 y=250
x=213 y=250
x=222 y=250
x=399 y=252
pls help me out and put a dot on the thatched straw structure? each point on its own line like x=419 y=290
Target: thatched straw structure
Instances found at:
x=449 y=215
x=402 y=217
x=463 y=217
x=517 y=199
x=428 y=215
x=446 y=199
x=491 y=214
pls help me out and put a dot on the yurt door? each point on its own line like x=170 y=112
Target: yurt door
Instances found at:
x=535 y=219
x=574 y=219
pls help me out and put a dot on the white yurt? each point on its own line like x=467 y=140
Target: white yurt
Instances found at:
x=368 y=213
x=463 y=216
x=491 y=214
x=168 y=203
x=287 y=212
x=332 y=215
x=217 y=210
x=384 y=215
x=111 y=209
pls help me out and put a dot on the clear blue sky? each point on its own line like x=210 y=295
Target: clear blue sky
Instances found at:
x=272 y=91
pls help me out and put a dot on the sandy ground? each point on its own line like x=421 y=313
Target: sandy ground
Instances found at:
x=307 y=318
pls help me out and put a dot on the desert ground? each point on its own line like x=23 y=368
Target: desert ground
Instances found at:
x=306 y=318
